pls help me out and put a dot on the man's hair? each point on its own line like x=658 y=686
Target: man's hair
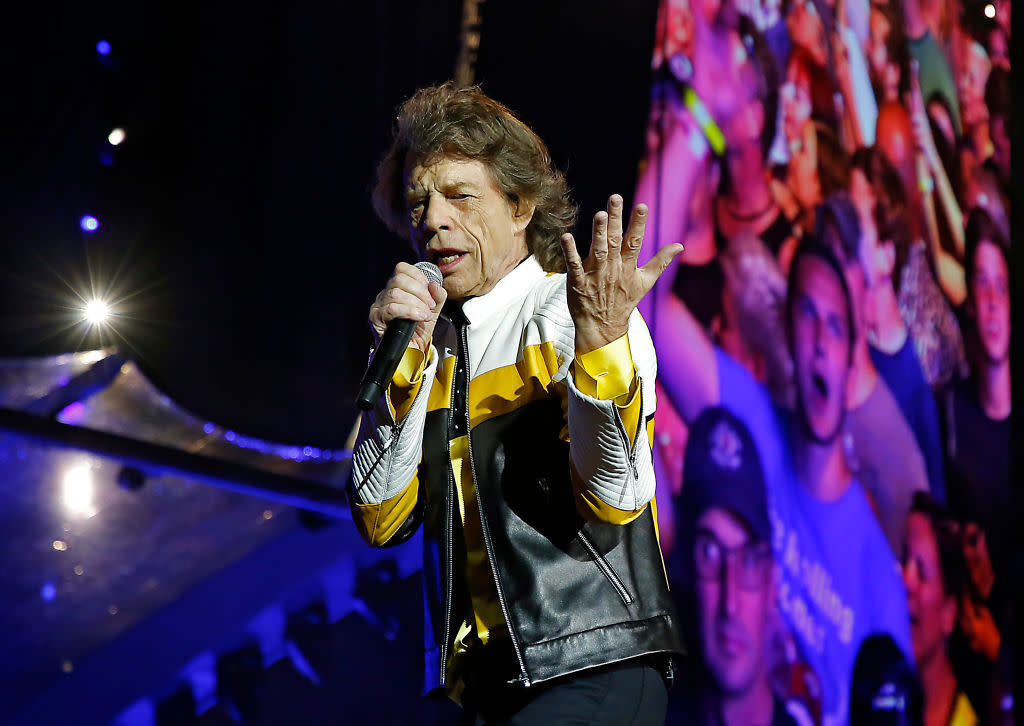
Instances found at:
x=811 y=246
x=464 y=123
x=833 y=161
x=838 y=211
x=980 y=228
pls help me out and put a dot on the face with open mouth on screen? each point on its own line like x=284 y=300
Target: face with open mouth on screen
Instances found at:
x=821 y=347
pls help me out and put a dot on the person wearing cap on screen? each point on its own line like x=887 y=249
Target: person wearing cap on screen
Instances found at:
x=730 y=582
x=839 y=578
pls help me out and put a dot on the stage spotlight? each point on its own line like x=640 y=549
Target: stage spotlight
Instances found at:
x=116 y=136
x=89 y=223
x=990 y=11
x=103 y=47
x=97 y=312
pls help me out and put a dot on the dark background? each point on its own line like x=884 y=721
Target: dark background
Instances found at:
x=236 y=236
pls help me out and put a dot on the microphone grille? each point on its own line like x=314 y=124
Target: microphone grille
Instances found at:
x=431 y=270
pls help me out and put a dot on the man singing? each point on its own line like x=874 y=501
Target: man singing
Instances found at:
x=517 y=429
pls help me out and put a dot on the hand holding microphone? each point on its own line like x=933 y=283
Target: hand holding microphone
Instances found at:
x=403 y=314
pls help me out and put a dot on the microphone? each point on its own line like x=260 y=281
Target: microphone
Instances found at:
x=390 y=351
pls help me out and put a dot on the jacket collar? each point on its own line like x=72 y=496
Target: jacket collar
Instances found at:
x=513 y=286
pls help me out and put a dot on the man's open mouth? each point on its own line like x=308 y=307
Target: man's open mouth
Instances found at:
x=446 y=258
x=820 y=387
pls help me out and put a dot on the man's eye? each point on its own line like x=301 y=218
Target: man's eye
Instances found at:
x=711 y=551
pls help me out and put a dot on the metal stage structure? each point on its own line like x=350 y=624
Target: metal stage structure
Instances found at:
x=158 y=568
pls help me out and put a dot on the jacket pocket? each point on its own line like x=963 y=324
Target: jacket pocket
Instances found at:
x=605 y=568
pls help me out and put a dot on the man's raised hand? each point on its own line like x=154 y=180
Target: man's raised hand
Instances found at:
x=604 y=289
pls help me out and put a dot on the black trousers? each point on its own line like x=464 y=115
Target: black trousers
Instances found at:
x=632 y=693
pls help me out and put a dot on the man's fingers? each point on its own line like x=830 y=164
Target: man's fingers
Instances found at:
x=660 y=262
x=573 y=264
x=439 y=294
x=614 y=223
x=599 y=237
x=412 y=280
x=635 y=233
x=397 y=303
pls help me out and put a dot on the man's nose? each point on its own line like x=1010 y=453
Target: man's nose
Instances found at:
x=730 y=586
x=819 y=336
x=435 y=216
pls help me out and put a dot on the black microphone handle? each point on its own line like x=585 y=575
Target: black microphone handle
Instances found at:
x=385 y=362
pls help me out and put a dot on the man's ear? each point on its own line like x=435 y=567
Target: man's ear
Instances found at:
x=522 y=215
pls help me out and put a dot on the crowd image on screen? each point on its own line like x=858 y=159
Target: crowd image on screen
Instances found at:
x=833 y=427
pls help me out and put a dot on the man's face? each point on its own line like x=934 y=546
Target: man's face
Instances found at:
x=821 y=347
x=806 y=29
x=460 y=221
x=932 y=612
x=878 y=35
x=745 y=126
x=802 y=172
x=795 y=97
x=991 y=301
x=971 y=84
x=735 y=596
x=862 y=194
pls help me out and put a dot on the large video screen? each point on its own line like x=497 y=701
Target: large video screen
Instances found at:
x=833 y=422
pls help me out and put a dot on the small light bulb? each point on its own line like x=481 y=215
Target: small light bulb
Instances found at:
x=116 y=136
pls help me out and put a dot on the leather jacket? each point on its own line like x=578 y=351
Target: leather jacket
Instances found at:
x=576 y=593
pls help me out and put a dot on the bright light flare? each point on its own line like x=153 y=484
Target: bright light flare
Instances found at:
x=990 y=11
x=103 y=47
x=116 y=136
x=77 y=491
x=97 y=312
x=89 y=223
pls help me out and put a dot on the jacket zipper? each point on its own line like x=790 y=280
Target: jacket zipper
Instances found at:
x=606 y=569
x=449 y=534
x=602 y=564
x=451 y=581
x=629 y=444
x=523 y=677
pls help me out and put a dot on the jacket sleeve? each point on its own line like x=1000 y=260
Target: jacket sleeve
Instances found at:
x=610 y=410
x=383 y=486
